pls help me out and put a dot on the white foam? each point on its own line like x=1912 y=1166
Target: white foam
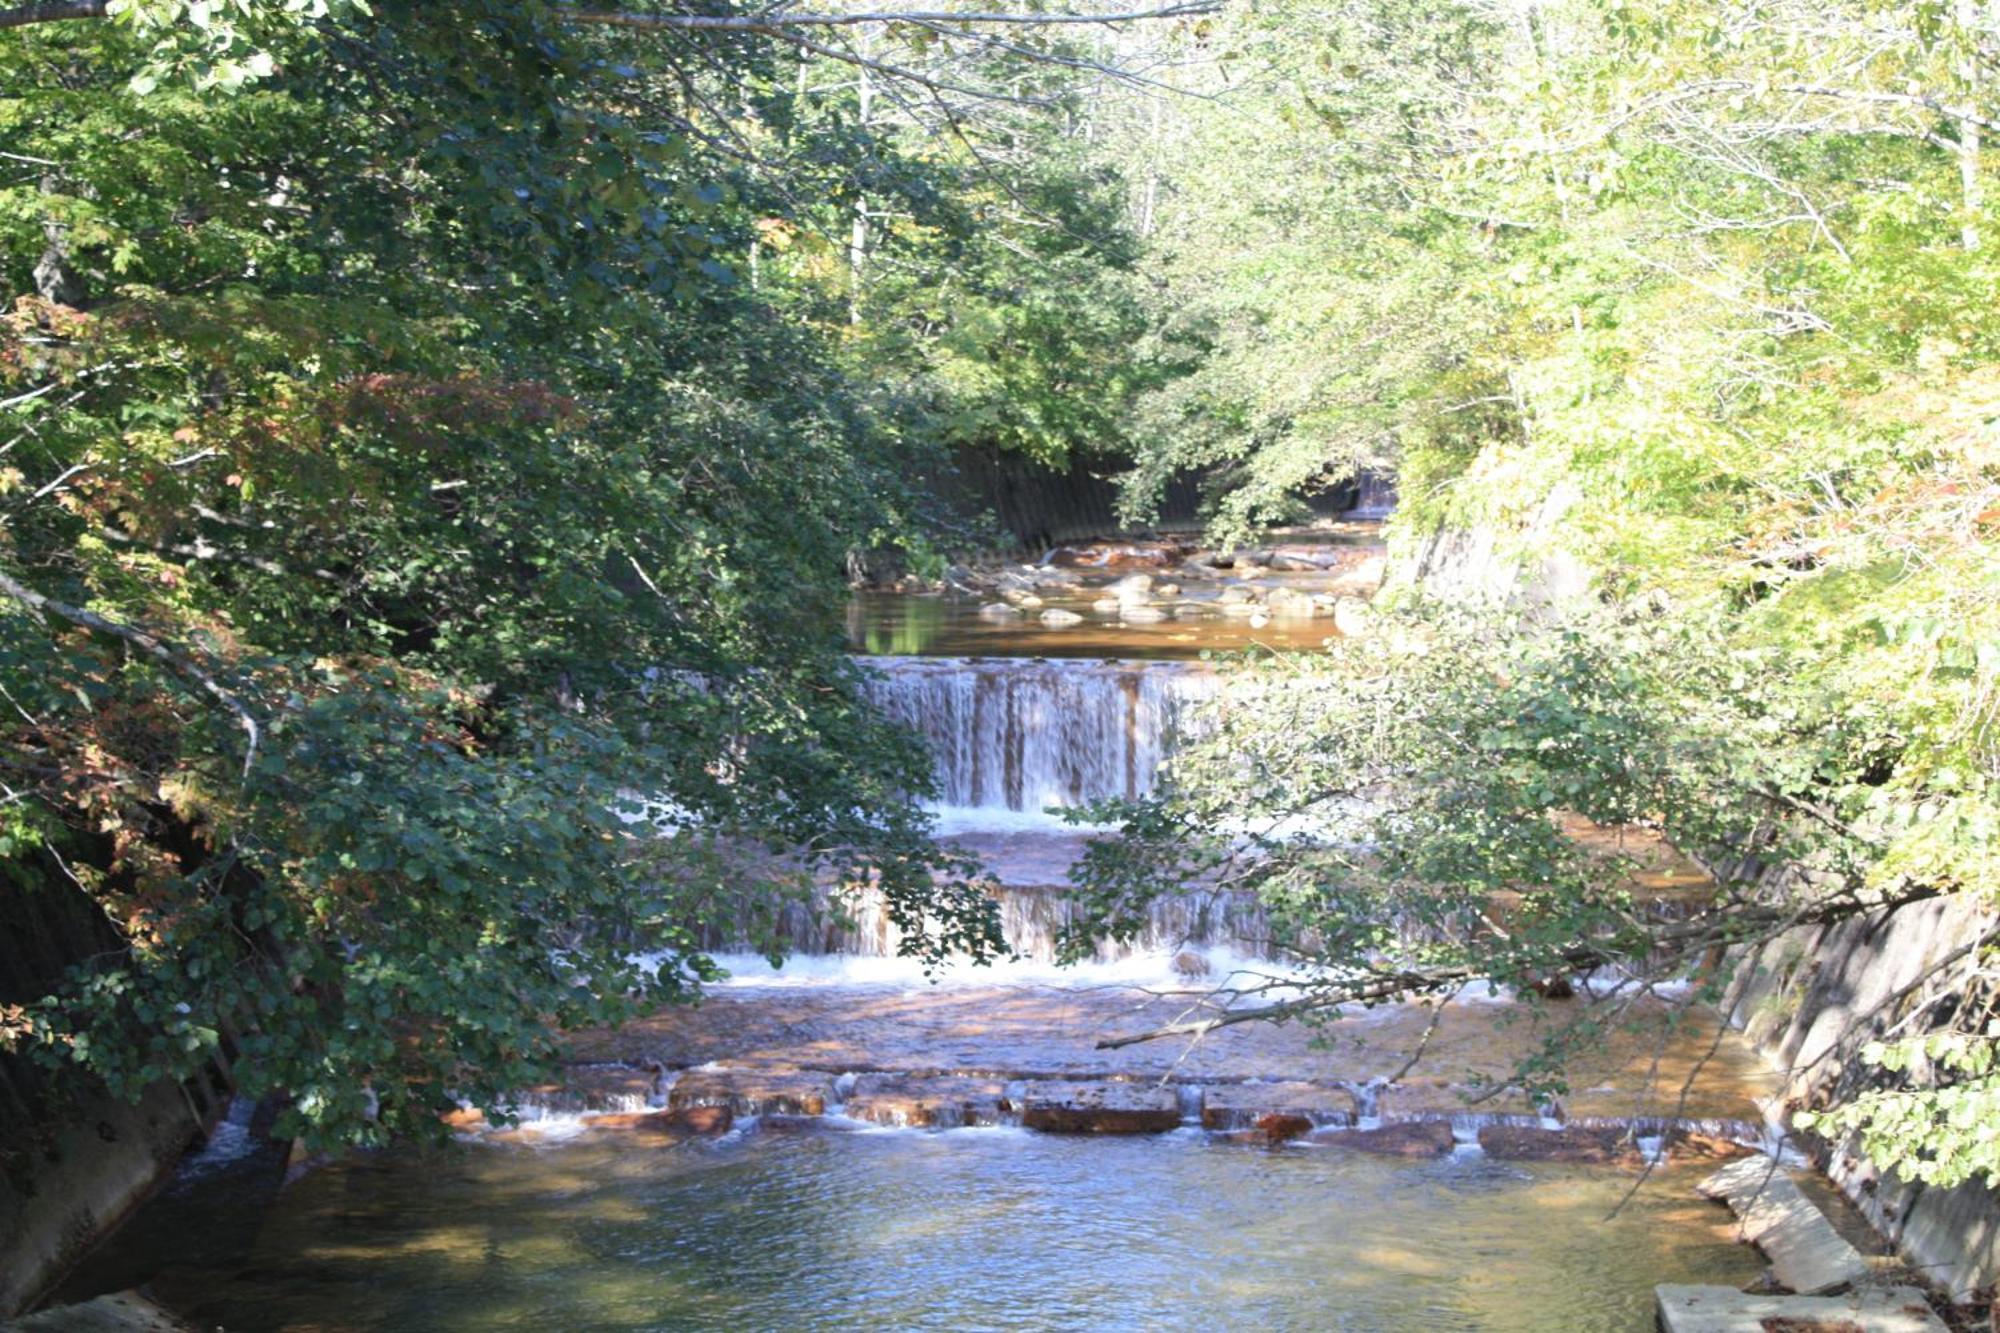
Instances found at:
x=1227 y=969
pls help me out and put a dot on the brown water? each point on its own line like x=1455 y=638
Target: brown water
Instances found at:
x=962 y=1229
x=949 y=625
x=1191 y=600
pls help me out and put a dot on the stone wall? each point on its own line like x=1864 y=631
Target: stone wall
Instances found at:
x=74 y=1161
x=1810 y=1000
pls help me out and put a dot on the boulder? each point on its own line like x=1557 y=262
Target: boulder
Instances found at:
x=998 y=611
x=1056 y=616
x=1100 y=1108
x=1166 y=590
x=1415 y=1138
x=1132 y=587
x=902 y=1099
x=1188 y=963
x=752 y=1091
x=1141 y=615
x=1107 y=606
x=1237 y=594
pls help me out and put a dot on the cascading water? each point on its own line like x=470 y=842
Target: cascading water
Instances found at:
x=1014 y=739
x=1013 y=736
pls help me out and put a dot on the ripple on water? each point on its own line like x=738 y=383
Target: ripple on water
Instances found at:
x=963 y=1229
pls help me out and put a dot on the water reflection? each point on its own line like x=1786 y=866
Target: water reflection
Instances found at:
x=960 y=1230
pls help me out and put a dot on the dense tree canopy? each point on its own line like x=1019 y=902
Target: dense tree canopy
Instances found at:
x=1675 y=323
x=424 y=423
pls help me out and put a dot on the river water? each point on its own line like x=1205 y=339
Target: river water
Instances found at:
x=832 y=1223
x=963 y=1229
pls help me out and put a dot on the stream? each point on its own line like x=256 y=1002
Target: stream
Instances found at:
x=849 y=1218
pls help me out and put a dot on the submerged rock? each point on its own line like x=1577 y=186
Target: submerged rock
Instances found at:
x=1415 y=1138
x=999 y=611
x=1100 y=1108
x=1058 y=616
x=1141 y=615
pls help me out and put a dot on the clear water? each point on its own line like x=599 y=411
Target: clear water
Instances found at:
x=966 y=1229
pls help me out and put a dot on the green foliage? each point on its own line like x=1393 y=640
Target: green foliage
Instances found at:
x=399 y=482
x=1695 y=299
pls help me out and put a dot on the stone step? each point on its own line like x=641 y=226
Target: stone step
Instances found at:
x=1100 y=1108
x=1690 y=1309
x=1806 y=1253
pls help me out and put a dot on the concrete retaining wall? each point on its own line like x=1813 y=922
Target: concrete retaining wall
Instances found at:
x=74 y=1161
x=1811 y=1000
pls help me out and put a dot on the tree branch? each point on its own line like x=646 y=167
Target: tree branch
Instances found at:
x=150 y=644
x=778 y=22
x=54 y=11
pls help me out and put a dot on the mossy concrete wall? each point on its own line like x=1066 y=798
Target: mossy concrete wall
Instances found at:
x=74 y=1161
x=1811 y=999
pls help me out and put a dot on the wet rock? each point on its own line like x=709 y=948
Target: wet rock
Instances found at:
x=666 y=1127
x=1571 y=1143
x=1057 y=616
x=1188 y=963
x=1279 y=1127
x=896 y=1099
x=1166 y=590
x=998 y=611
x=1141 y=615
x=1229 y=1106
x=464 y=1117
x=752 y=1091
x=1133 y=587
x=1107 y=606
x=1416 y=1138
x=1100 y=1108
x=1237 y=594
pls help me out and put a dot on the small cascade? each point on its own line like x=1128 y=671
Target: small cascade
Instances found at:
x=1375 y=497
x=1033 y=920
x=1024 y=735
x=228 y=1142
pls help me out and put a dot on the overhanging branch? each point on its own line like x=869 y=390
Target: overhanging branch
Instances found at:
x=152 y=645
x=20 y=16
x=776 y=22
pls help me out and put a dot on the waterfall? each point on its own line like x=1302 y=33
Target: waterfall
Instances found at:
x=1375 y=496
x=1018 y=736
x=1032 y=918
